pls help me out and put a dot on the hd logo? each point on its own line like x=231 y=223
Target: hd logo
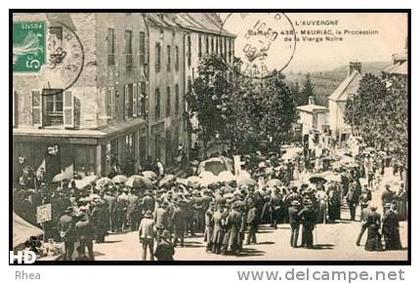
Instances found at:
x=22 y=257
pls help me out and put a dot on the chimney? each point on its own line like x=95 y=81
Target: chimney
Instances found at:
x=355 y=66
x=311 y=100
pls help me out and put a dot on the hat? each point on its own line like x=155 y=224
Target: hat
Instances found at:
x=148 y=214
x=373 y=207
x=307 y=202
x=165 y=234
x=295 y=203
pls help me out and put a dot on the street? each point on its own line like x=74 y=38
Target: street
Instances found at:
x=330 y=244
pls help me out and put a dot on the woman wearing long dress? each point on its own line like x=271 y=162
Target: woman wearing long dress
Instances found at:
x=373 y=223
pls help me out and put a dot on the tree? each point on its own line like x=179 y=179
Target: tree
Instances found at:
x=307 y=90
x=210 y=96
x=280 y=110
x=378 y=113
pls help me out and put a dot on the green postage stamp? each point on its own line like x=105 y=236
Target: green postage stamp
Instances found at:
x=28 y=46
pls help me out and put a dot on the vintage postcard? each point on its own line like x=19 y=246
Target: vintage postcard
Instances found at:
x=210 y=136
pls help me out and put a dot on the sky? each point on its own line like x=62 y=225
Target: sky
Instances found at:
x=311 y=56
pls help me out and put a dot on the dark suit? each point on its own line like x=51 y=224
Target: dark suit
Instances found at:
x=353 y=196
x=66 y=228
x=252 y=222
x=294 y=220
x=178 y=224
x=308 y=220
x=85 y=234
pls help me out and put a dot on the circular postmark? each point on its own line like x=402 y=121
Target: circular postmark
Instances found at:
x=65 y=58
x=264 y=42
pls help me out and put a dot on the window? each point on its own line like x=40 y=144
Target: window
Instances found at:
x=110 y=104
x=176 y=58
x=128 y=101
x=111 y=46
x=128 y=50
x=199 y=47
x=142 y=49
x=157 y=57
x=157 y=104
x=168 y=101
x=207 y=45
x=168 y=62
x=189 y=51
x=141 y=99
x=176 y=99
x=53 y=108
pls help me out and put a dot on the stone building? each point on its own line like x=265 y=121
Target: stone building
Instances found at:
x=166 y=107
x=340 y=130
x=85 y=107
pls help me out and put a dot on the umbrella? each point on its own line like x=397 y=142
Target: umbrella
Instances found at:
x=273 y=183
x=194 y=181
x=61 y=177
x=119 y=179
x=82 y=183
x=167 y=179
x=103 y=182
x=183 y=181
x=332 y=177
x=262 y=165
x=317 y=178
x=150 y=175
x=91 y=179
x=226 y=176
x=137 y=181
x=245 y=179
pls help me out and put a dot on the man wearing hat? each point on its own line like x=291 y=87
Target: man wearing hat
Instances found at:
x=276 y=204
x=294 y=220
x=252 y=222
x=208 y=231
x=308 y=216
x=178 y=222
x=352 y=197
x=65 y=226
x=147 y=234
x=85 y=233
x=390 y=229
x=165 y=249
x=161 y=219
x=233 y=226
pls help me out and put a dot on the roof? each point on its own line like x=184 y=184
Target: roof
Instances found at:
x=199 y=22
x=399 y=67
x=347 y=87
x=312 y=108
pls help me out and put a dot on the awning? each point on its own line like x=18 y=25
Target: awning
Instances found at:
x=23 y=230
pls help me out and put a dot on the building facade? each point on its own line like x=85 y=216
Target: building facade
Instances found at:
x=85 y=108
x=340 y=130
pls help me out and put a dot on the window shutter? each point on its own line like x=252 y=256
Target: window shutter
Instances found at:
x=135 y=96
x=126 y=101
x=112 y=103
x=68 y=110
x=36 y=108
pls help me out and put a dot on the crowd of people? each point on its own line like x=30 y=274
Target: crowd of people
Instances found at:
x=165 y=209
